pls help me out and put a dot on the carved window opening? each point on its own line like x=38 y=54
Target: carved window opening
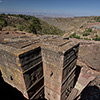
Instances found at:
x=11 y=78
x=51 y=74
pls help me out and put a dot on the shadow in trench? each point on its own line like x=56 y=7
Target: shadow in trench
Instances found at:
x=77 y=73
x=7 y=92
x=90 y=93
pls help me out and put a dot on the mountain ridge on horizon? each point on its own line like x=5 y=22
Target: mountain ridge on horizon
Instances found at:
x=40 y=14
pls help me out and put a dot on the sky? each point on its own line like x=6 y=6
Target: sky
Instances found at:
x=60 y=7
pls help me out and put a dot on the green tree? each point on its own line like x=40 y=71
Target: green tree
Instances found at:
x=31 y=29
x=86 y=34
x=20 y=27
x=34 y=26
x=89 y=30
x=96 y=36
x=98 y=19
x=3 y=23
x=73 y=35
x=26 y=17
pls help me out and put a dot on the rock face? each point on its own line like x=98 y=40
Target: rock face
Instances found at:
x=89 y=54
x=89 y=62
x=92 y=91
x=21 y=66
x=47 y=64
x=40 y=65
x=59 y=60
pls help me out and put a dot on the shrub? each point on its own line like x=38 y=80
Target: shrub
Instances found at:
x=96 y=36
x=74 y=36
x=87 y=39
x=86 y=34
x=89 y=30
x=34 y=26
x=97 y=39
x=26 y=17
x=98 y=19
x=14 y=25
x=20 y=27
x=3 y=23
x=30 y=28
x=77 y=37
x=0 y=28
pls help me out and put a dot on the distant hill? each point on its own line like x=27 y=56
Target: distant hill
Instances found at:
x=28 y=24
x=78 y=27
x=68 y=24
x=87 y=28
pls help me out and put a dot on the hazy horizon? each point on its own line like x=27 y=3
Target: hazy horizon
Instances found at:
x=52 y=8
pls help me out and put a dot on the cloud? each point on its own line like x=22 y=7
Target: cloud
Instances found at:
x=0 y=1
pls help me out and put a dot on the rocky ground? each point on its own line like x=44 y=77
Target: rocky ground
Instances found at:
x=89 y=53
x=89 y=56
x=13 y=34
